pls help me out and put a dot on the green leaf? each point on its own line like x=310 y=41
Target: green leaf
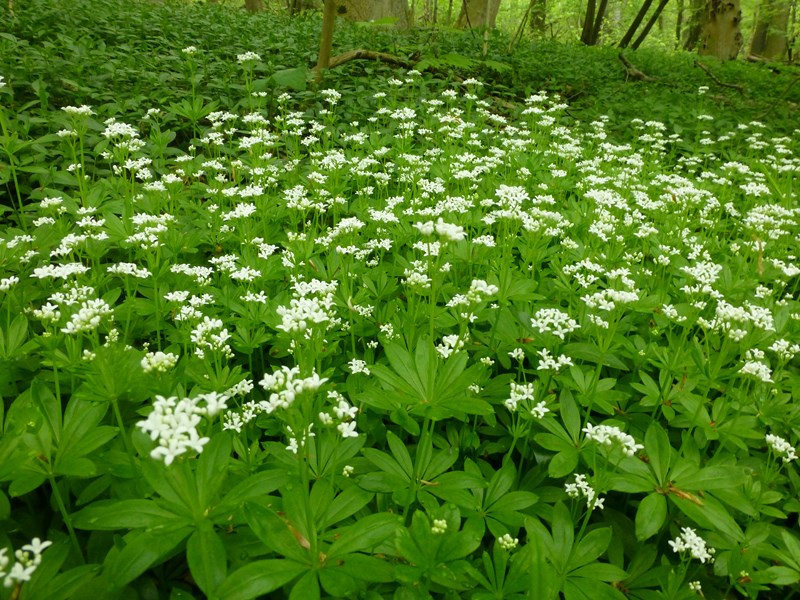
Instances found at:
x=255 y=486
x=712 y=478
x=274 y=532
x=364 y=534
x=349 y=502
x=108 y=515
x=659 y=451
x=400 y=453
x=590 y=547
x=307 y=588
x=294 y=79
x=650 y=516
x=212 y=467
x=387 y=464
x=207 y=560
x=258 y=578
x=600 y=572
x=143 y=549
x=563 y=463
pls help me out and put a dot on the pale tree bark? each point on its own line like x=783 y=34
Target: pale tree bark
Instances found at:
x=770 y=35
x=477 y=14
x=372 y=10
x=254 y=6
x=721 y=36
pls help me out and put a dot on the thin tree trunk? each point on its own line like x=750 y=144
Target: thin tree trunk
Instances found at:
x=598 y=21
x=626 y=39
x=326 y=38
x=649 y=25
x=588 y=22
x=679 y=24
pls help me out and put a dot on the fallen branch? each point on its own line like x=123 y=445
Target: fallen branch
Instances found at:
x=632 y=71
x=337 y=61
x=734 y=86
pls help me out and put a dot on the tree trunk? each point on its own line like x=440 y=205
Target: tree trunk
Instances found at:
x=650 y=24
x=588 y=22
x=476 y=14
x=696 y=12
x=598 y=21
x=372 y=10
x=326 y=38
x=626 y=39
x=254 y=6
x=538 y=16
x=769 y=39
x=679 y=24
x=721 y=36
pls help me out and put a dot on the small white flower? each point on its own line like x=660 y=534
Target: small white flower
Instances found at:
x=689 y=540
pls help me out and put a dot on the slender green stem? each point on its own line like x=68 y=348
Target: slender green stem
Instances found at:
x=66 y=516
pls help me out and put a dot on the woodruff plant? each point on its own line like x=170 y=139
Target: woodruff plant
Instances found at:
x=439 y=348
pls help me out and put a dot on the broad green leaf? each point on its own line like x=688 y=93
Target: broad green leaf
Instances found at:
x=659 y=451
x=306 y=588
x=400 y=453
x=275 y=532
x=143 y=549
x=258 y=578
x=364 y=534
x=590 y=547
x=255 y=486
x=347 y=503
x=712 y=478
x=212 y=467
x=108 y=515
x=295 y=79
x=650 y=516
x=206 y=557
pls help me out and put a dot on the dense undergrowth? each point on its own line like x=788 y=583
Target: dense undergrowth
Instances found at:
x=512 y=327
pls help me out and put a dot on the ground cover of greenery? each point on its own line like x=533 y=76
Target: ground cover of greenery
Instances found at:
x=402 y=334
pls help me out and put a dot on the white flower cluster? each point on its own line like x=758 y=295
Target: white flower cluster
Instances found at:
x=608 y=435
x=131 y=269
x=450 y=345
x=28 y=558
x=88 y=317
x=286 y=385
x=173 y=424
x=548 y=362
x=784 y=350
x=689 y=540
x=311 y=305
x=247 y=57
x=59 y=271
x=159 y=361
x=343 y=412
x=580 y=488
x=552 y=320
x=507 y=543
x=781 y=447
x=520 y=392
x=756 y=367
x=447 y=231
x=8 y=282
x=210 y=334
x=479 y=291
